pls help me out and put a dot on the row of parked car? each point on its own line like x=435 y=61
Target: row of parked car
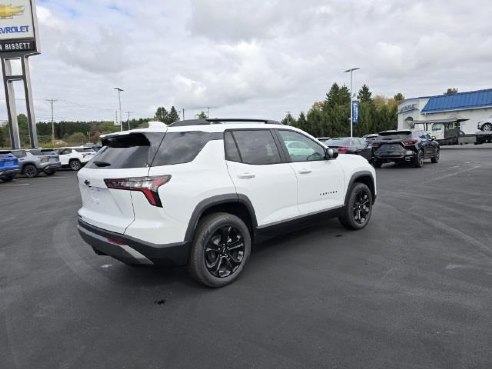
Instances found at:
x=403 y=146
x=32 y=162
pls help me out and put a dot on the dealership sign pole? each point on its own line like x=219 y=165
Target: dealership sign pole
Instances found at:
x=19 y=39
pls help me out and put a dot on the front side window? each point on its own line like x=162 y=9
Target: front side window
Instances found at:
x=256 y=147
x=300 y=147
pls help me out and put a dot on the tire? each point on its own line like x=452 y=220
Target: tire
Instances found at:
x=30 y=171
x=487 y=127
x=75 y=165
x=435 y=159
x=221 y=248
x=376 y=163
x=419 y=160
x=8 y=178
x=357 y=213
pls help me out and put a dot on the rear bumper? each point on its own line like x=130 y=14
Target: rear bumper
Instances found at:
x=9 y=172
x=52 y=166
x=406 y=156
x=132 y=251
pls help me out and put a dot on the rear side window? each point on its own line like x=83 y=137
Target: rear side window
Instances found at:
x=182 y=147
x=134 y=150
x=257 y=147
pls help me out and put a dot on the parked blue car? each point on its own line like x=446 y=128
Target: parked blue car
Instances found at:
x=9 y=166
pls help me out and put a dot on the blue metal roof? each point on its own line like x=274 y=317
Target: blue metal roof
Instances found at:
x=459 y=101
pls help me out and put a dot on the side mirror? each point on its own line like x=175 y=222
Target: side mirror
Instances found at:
x=331 y=154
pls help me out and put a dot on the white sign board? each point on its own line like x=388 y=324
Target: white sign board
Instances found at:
x=18 y=28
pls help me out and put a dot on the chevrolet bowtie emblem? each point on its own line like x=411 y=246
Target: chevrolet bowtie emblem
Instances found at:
x=8 y=11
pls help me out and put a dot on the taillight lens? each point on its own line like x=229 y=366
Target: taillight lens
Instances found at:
x=409 y=142
x=342 y=149
x=149 y=186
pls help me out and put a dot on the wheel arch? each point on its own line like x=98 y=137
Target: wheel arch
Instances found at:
x=364 y=177
x=235 y=204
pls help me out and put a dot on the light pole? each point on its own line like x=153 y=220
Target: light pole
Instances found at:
x=351 y=70
x=51 y=101
x=119 y=101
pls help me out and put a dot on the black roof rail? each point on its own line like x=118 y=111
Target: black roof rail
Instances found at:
x=208 y=121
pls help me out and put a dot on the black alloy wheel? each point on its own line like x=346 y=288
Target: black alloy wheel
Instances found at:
x=220 y=250
x=487 y=127
x=30 y=171
x=224 y=251
x=75 y=165
x=358 y=210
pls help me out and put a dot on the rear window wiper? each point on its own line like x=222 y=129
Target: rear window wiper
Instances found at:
x=102 y=163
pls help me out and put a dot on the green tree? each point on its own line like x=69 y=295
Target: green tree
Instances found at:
x=364 y=95
x=77 y=138
x=399 y=97
x=173 y=115
x=202 y=115
x=289 y=120
x=451 y=91
x=161 y=114
x=302 y=122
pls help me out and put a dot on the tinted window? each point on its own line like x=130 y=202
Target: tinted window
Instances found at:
x=36 y=152
x=84 y=149
x=231 y=151
x=19 y=154
x=182 y=147
x=257 y=147
x=396 y=135
x=134 y=150
x=300 y=147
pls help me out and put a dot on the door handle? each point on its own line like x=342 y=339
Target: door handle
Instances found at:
x=304 y=171
x=246 y=175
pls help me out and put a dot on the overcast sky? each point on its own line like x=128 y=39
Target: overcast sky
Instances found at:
x=255 y=58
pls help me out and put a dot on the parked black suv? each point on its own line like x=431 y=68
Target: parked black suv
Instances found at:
x=405 y=146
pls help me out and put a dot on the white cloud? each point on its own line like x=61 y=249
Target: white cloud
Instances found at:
x=259 y=58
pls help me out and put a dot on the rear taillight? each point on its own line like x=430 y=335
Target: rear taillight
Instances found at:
x=342 y=149
x=409 y=142
x=149 y=186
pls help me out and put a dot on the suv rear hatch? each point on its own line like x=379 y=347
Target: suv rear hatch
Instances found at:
x=392 y=144
x=124 y=157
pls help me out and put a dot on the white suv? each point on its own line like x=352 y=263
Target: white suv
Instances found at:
x=75 y=157
x=200 y=192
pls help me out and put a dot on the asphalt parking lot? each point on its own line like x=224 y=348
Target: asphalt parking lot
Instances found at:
x=412 y=290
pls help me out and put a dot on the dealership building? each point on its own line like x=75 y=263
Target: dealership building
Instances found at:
x=465 y=109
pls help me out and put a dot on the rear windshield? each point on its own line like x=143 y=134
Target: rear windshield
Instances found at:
x=398 y=135
x=338 y=142
x=137 y=150
x=36 y=152
x=134 y=150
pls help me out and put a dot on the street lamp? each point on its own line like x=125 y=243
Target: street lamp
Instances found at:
x=119 y=101
x=351 y=107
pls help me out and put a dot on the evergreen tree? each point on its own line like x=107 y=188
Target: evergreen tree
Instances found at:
x=202 y=115
x=289 y=120
x=364 y=95
x=173 y=115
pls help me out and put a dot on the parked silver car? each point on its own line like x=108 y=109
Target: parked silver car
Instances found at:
x=33 y=161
